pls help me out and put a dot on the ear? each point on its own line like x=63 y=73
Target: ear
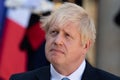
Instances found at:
x=87 y=46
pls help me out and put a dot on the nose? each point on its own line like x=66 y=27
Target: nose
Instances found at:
x=58 y=40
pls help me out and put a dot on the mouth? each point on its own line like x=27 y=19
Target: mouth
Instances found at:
x=57 y=51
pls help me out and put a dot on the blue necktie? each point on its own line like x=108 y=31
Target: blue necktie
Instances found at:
x=65 y=79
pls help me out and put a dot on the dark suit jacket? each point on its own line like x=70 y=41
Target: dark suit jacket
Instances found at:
x=90 y=73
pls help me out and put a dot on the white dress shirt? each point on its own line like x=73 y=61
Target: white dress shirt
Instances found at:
x=76 y=75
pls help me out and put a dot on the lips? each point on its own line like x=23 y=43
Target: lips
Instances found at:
x=56 y=51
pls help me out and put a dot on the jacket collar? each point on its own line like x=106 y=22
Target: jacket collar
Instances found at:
x=43 y=73
x=89 y=73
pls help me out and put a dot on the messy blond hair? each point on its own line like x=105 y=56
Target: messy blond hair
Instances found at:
x=72 y=12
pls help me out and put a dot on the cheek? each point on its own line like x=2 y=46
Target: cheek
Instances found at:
x=75 y=55
x=48 y=41
x=75 y=50
x=48 y=45
x=47 y=48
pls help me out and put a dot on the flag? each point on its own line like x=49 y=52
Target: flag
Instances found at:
x=34 y=44
x=13 y=59
x=35 y=34
x=2 y=19
x=2 y=15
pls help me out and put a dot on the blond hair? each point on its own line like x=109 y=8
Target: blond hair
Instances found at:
x=72 y=12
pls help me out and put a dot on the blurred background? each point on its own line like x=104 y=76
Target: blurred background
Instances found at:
x=22 y=40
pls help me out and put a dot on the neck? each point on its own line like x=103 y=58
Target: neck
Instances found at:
x=67 y=69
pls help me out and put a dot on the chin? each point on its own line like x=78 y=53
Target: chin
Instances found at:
x=56 y=60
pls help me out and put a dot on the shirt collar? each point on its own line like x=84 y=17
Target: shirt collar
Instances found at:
x=76 y=75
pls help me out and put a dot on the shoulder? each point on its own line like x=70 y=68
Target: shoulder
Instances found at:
x=92 y=73
x=30 y=75
x=103 y=75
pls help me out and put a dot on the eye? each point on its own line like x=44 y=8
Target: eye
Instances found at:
x=53 y=32
x=67 y=35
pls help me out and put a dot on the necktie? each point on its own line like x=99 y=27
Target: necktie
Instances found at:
x=65 y=79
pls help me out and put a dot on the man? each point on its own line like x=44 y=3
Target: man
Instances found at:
x=69 y=34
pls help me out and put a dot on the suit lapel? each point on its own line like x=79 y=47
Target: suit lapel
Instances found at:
x=43 y=74
x=89 y=73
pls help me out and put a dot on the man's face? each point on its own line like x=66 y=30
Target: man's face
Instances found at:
x=63 y=45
